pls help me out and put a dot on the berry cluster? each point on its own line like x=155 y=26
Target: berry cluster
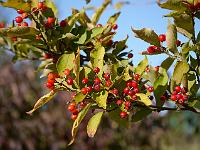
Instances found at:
x=179 y=95
x=51 y=80
x=2 y=24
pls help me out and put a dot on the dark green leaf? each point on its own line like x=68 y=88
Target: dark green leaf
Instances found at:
x=166 y=64
x=141 y=114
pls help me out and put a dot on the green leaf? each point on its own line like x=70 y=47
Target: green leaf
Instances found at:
x=160 y=85
x=78 y=121
x=144 y=99
x=184 y=24
x=19 y=31
x=148 y=35
x=83 y=38
x=87 y=1
x=180 y=69
x=43 y=100
x=171 y=38
x=177 y=5
x=141 y=66
x=101 y=98
x=166 y=64
x=79 y=97
x=141 y=114
x=121 y=45
x=99 y=11
x=96 y=31
x=64 y=62
x=97 y=58
x=93 y=124
x=113 y=18
x=17 y=4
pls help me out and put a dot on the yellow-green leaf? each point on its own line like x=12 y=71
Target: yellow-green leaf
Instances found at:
x=144 y=99
x=101 y=98
x=141 y=66
x=93 y=124
x=43 y=100
x=180 y=69
x=148 y=35
x=64 y=62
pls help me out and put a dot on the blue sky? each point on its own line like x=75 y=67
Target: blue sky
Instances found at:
x=139 y=14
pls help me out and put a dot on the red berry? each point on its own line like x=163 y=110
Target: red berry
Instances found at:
x=147 y=70
x=85 y=80
x=134 y=97
x=89 y=89
x=173 y=97
x=72 y=103
x=163 y=98
x=71 y=108
x=51 y=81
x=19 y=25
x=179 y=96
x=96 y=70
x=131 y=93
x=2 y=24
x=119 y=102
x=151 y=49
x=50 y=85
x=99 y=25
x=185 y=97
x=34 y=10
x=128 y=104
x=47 y=56
x=67 y=72
x=14 y=39
x=114 y=27
x=47 y=25
x=40 y=5
x=50 y=20
x=20 y=11
x=136 y=90
x=115 y=91
x=157 y=68
x=83 y=104
x=75 y=112
x=69 y=81
x=24 y=24
x=97 y=81
x=181 y=101
x=108 y=83
x=134 y=84
x=84 y=91
x=63 y=23
x=51 y=76
x=178 y=43
x=150 y=88
x=126 y=90
x=123 y=114
x=106 y=76
x=130 y=55
x=97 y=87
x=18 y=19
x=109 y=43
x=184 y=90
x=178 y=89
x=129 y=84
x=162 y=37
x=136 y=77
x=73 y=117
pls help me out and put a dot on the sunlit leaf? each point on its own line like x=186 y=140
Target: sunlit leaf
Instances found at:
x=144 y=99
